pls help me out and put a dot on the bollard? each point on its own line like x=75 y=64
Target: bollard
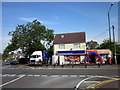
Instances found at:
x=72 y=65
x=54 y=65
x=98 y=65
x=85 y=66
x=62 y=65
x=46 y=65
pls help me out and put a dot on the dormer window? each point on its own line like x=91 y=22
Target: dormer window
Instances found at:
x=62 y=36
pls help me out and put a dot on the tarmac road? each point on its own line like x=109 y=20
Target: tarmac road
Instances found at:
x=21 y=77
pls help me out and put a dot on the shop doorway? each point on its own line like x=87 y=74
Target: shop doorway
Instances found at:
x=91 y=58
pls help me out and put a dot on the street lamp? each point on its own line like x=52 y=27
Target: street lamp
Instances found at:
x=109 y=21
x=115 y=58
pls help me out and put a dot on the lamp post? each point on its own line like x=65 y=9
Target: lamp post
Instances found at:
x=114 y=45
x=109 y=23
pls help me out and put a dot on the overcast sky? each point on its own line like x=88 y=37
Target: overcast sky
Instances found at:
x=62 y=17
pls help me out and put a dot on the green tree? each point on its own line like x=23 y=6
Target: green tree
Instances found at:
x=92 y=44
x=30 y=37
x=107 y=45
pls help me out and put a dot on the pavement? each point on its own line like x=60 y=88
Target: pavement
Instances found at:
x=80 y=66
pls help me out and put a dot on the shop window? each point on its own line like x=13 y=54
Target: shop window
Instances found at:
x=61 y=46
x=76 y=46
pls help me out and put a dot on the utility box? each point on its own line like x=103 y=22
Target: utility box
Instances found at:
x=54 y=59
x=61 y=59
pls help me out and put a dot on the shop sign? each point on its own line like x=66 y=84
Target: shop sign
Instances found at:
x=103 y=51
x=70 y=52
x=72 y=58
x=99 y=51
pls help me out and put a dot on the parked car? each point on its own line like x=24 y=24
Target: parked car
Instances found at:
x=11 y=62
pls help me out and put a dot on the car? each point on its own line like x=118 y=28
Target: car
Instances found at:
x=13 y=62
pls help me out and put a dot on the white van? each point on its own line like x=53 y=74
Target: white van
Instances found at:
x=36 y=58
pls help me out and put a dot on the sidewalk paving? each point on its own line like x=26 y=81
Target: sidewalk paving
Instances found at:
x=80 y=66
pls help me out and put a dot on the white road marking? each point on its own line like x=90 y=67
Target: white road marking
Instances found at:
x=91 y=81
x=82 y=75
x=21 y=75
x=36 y=75
x=77 y=86
x=29 y=75
x=73 y=76
x=12 y=81
x=4 y=75
x=64 y=75
x=54 y=75
x=44 y=75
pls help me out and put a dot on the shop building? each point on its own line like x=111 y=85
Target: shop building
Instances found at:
x=104 y=54
x=69 y=48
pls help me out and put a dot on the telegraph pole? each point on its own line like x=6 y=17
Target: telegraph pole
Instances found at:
x=114 y=44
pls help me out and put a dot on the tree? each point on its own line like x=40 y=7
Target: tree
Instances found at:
x=30 y=37
x=107 y=45
x=92 y=44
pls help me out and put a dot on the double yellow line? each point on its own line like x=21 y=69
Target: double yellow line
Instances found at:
x=100 y=83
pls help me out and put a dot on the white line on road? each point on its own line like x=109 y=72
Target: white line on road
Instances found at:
x=44 y=75
x=82 y=75
x=30 y=75
x=64 y=75
x=73 y=76
x=91 y=81
x=36 y=75
x=12 y=81
x=77 y=86
x=54 y=75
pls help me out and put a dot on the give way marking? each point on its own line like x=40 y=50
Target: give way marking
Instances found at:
x=12 y=81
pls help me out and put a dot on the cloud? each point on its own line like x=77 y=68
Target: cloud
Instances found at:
x=5 y=41
x=42 y=21
x=27 y=19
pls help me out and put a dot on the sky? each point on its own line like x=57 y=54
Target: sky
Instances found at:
x=62 y=17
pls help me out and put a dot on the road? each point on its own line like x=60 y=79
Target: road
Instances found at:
x=21 y=77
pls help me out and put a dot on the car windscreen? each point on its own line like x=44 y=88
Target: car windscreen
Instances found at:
x=35 y=56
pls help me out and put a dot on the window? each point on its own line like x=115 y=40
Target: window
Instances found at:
x=62 y=36
x=76 y=46
x=61 y=46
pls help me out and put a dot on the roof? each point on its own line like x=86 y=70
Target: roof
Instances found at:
x=78 y=37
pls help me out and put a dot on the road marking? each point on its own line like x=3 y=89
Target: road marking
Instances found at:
x=36 y=75
x=30 y=75
x=12 y=81
x=21 y=75
x=44 y=75
x=82 y=75
x=73 y=76
x=77 y=86
x=91 y=81
x=4 y=75
x=64 y=75
x=100 y=83
x=54 y=75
